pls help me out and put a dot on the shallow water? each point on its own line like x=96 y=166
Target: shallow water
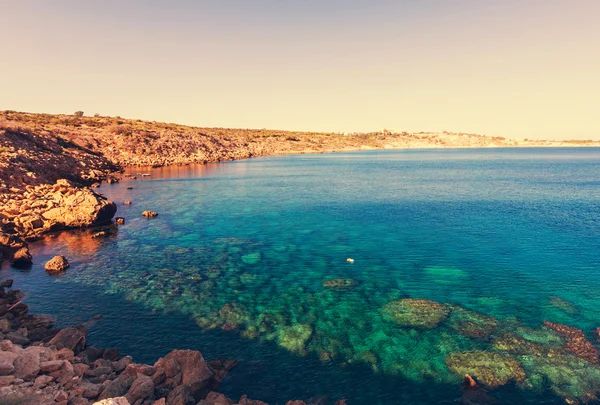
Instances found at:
x=239 y=264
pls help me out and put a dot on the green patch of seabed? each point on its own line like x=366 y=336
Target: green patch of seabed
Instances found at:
x=224 y=287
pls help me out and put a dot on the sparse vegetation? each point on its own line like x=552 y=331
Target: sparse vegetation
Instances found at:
x=134 y=142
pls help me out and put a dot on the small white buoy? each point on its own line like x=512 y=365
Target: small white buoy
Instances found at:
x=350 y=260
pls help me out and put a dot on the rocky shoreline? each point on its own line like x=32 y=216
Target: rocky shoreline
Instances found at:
x=44 y=365
x=49 y=166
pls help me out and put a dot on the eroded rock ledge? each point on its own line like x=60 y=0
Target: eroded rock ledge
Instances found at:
x=34 y=210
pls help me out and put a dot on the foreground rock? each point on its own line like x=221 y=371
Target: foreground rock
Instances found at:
x=40 y=365
x=57 y=264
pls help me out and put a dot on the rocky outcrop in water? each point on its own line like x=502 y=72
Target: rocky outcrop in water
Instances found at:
x=14 y=250
x=36 y=210
x=56 y=264
x=577 y=343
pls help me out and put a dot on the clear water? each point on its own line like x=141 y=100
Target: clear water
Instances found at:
x=234 y=266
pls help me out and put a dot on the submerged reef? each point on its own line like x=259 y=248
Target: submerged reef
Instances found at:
x=489 y=368
x=417 y=313
x=348 y=320
x=340 y=283
x=577 y=343
x=472 y=324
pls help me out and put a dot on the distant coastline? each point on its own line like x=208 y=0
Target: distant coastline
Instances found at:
x=50 y=163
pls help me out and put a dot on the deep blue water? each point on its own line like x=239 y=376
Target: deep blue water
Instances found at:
x=236 y=261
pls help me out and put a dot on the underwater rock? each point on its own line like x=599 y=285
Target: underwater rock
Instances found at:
x=470 y=323
x=489 y=368
x=149 y=214
x=416 y=313
x=57 y=264
x=340 y=283
x=251 y=258
x=446 y=275
x=562 y=304
x=514 y=344
x=294 y=337
x=577 y=343
x=573 y=379
x=231 y=315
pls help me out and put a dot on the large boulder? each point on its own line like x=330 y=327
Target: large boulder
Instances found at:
x=188 y=369
x=22 y=257
x=70 y=338
x=57 y=264
x=14 y=249
x=27 y=365
x=7 y=361
x=141 y=389
x=117 y=387
x=77 y=207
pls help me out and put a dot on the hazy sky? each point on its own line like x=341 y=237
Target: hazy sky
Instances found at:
x=525 y=69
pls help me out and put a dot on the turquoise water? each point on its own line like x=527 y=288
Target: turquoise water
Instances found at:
x=454 y=251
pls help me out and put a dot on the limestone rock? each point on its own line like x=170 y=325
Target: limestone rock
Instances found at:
x=57 y=264
x=27 y=365
x=118 y=387
x=70 y=338
x=141 y=389
x=113 y=401
x=81 y=209
x=22 y=257
x=188 y=369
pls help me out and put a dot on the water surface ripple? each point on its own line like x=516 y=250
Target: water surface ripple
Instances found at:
x=459 y=258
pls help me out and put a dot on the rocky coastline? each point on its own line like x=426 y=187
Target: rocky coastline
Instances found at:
x=43 y=365
x=49 y=168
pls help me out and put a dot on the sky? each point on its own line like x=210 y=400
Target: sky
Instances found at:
x=518 y=69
